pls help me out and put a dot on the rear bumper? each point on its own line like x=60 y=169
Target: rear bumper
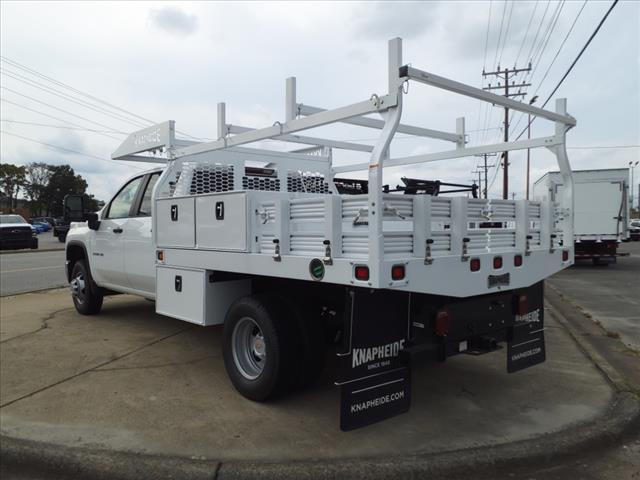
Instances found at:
x=598 y=250
x=480 y=324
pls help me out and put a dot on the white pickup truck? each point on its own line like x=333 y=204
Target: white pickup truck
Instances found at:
x=293 y=260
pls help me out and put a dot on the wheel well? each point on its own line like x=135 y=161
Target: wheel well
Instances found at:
x=74 y=253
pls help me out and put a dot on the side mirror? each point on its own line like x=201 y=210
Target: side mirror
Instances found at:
x=75 y=211
x=92 y=220
x=74 y=208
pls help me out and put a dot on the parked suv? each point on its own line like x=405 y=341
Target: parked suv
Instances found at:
x=16 y=233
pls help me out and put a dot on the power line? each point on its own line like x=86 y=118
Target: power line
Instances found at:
x=573 y=64
x=80 y=92
x=506 y=33
x=606 y=147
x=495 y=57
x=484 y=66
x=53 y=117
x=575 y=20
x=67 y=86
x=486 y=38
x=535 y=38
x=544 y=41
x=61 y=126
x=65 y=149
x=69 y=98
x=55 y=108
x=526 y=33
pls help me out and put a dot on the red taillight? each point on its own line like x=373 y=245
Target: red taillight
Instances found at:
x=565 y=255
x=397 y=272
x=497 y=262
x=362 y=273
x=517 y=261
x=523 y=305
x=474 y=264
x=443 y=322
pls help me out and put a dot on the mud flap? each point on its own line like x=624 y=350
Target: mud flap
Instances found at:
x=374 y=379
x=526 y=346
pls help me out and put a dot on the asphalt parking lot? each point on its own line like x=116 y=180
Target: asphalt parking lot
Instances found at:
x=610 y=294
x=132 y=381
x=31 y=271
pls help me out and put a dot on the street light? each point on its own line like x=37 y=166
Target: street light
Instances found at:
x=531 y=102
x=632 y=166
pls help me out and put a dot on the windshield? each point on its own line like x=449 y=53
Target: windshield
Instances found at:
x=12 y=219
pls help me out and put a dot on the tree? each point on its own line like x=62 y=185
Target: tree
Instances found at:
x=38 y=174
x=63 y=181
x=12 y=179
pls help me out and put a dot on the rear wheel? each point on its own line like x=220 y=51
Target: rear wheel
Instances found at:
x=87 y=297
x=62 y=238
x=261 y=347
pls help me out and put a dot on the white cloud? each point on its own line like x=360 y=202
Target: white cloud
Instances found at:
x=173 y=20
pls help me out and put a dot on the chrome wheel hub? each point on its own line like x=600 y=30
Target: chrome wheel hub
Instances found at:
x=78 y=287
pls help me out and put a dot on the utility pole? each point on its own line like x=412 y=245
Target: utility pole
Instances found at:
x=486 y=167
x=632 y=167
x=506 y=74
x=479 y=172
x=531 y=102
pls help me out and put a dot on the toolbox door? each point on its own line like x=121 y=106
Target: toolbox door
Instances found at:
x=221 y=221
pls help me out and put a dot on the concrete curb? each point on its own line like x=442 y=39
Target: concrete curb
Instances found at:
x=621 y=418
x=26 y=456
x=37 y=250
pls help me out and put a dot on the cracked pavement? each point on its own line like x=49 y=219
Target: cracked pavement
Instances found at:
x=131 y=380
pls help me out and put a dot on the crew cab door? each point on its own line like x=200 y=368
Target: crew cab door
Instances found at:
x=139 y=254
x=107 y=256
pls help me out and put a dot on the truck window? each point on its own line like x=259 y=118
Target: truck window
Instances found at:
x=121 y=204
x=145 y=205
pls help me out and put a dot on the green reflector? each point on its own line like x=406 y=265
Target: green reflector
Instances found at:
x=316 y=269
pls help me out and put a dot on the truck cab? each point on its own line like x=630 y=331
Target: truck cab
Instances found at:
x=118 y=246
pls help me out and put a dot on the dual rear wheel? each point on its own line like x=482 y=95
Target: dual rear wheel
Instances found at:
x=270 y=348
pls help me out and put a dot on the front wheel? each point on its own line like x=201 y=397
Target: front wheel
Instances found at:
x=260 y=347
x=87 y=297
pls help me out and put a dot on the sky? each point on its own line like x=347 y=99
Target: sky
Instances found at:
x=177 y=60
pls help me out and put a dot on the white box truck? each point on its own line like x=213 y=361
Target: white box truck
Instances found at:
x=290 y=259
x=601 y=210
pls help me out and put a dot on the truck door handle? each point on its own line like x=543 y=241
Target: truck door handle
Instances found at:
x=117 y=230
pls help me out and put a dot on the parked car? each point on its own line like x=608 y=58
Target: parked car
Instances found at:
x=60 y=229
x=634 y=229
x=42 y=221
x=15 y=232
x=40 y=227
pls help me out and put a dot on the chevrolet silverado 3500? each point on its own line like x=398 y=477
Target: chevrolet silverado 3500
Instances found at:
x=290 y=258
